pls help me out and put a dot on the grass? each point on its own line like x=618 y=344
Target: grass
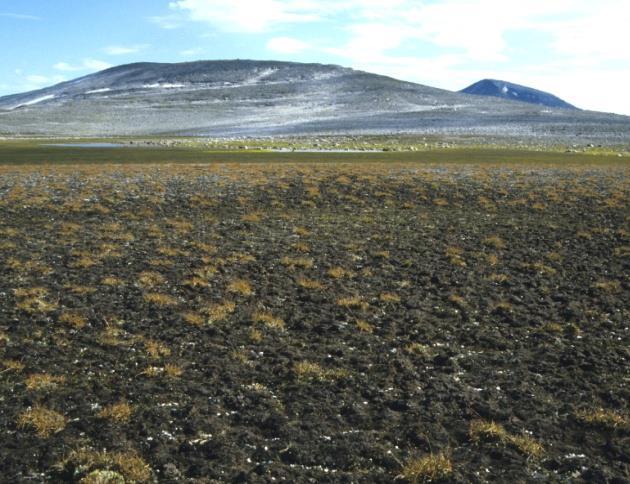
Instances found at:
x=240 y=287
x=118 y=412
x=339 y=273
x=156 y=350
x=33 y=152
x=73 y=318
x=297 y=262
x=44 y=420
x=151 y=279
x=160 y=299
x=44 y=381
x=488 y=431
x=306 y=370
x=428 y=468
x=218 y=312
x=193 y=319
x=309 y=284
x=352 y=302
x=364 y=326
x=607 y=286
x=604 y=418
x=269 y=320
x=12 y=365
x=90 y=462
x=389 y=298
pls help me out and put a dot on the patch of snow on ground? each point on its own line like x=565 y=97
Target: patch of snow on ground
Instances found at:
x=260 y=76
x=36 y=100
x=96 y=91
x=165 y=85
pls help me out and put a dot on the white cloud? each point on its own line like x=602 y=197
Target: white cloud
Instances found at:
x=19 y=16
x=248 y=15
x=168 y=22
x=286 y=45
x=96 y=65
x=85 y=65
x=190 y=52
x=64 y=66
x=35 y=81
x=124 y=49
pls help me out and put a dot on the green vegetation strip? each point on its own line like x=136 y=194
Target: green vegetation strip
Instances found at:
x=32 y=153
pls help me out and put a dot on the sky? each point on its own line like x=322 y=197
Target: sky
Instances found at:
x=575 y=49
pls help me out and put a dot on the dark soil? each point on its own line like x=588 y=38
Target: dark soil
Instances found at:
x=481 y=293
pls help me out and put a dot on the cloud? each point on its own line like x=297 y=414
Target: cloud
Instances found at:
x=19 y=16
x=85 y=65
x=35 y=81
x=190 y=52
x=286 y=45
x=168 y=22
x=124 y=49
x=250 y=16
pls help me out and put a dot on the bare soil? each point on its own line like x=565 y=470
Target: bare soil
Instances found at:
x=315 y=323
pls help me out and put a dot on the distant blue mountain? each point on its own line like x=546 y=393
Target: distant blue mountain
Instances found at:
x=514 y=92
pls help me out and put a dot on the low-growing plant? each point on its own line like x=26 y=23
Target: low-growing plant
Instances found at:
x=310 y=370
x=488 y=431
x=156 y=350
x=364 y=326
x=420 y=349
x=309 y=283
x=352 y=302
x=218 y=312
x=160 y=299
x=339 y=272
x=498 y=278
x=87 y=461
x=45 y=421
x=604 y=418
x=44 y=381
x=240 y=287
x=172 y=370
x=73 y=318
x=297 y=262
x=269 y=320
x=495 y=242
x=112 y=281
x=389 y=298
x=196 y=282
x=428 y=468
x=12 y=365
x=118 y=412
x=151 y=279
x=301 y=247
x=607 y=286
x=454 y=255
x=193 y=318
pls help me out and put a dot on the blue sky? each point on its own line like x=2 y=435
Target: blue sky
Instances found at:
x=577 y=49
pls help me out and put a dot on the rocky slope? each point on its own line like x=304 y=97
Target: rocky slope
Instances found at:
x=227 y=98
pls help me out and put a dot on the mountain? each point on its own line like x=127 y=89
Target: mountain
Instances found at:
x=260 y=98
x=515 y=92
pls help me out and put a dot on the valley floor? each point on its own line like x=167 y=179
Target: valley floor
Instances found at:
x=333 y=322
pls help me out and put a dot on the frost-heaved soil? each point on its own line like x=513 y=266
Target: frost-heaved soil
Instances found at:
x=314 y=323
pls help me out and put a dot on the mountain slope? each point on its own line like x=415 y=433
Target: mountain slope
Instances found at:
x=227 y=98
x=515 y=92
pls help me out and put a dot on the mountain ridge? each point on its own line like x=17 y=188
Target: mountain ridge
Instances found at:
x=515 y=92
x=252 y=98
